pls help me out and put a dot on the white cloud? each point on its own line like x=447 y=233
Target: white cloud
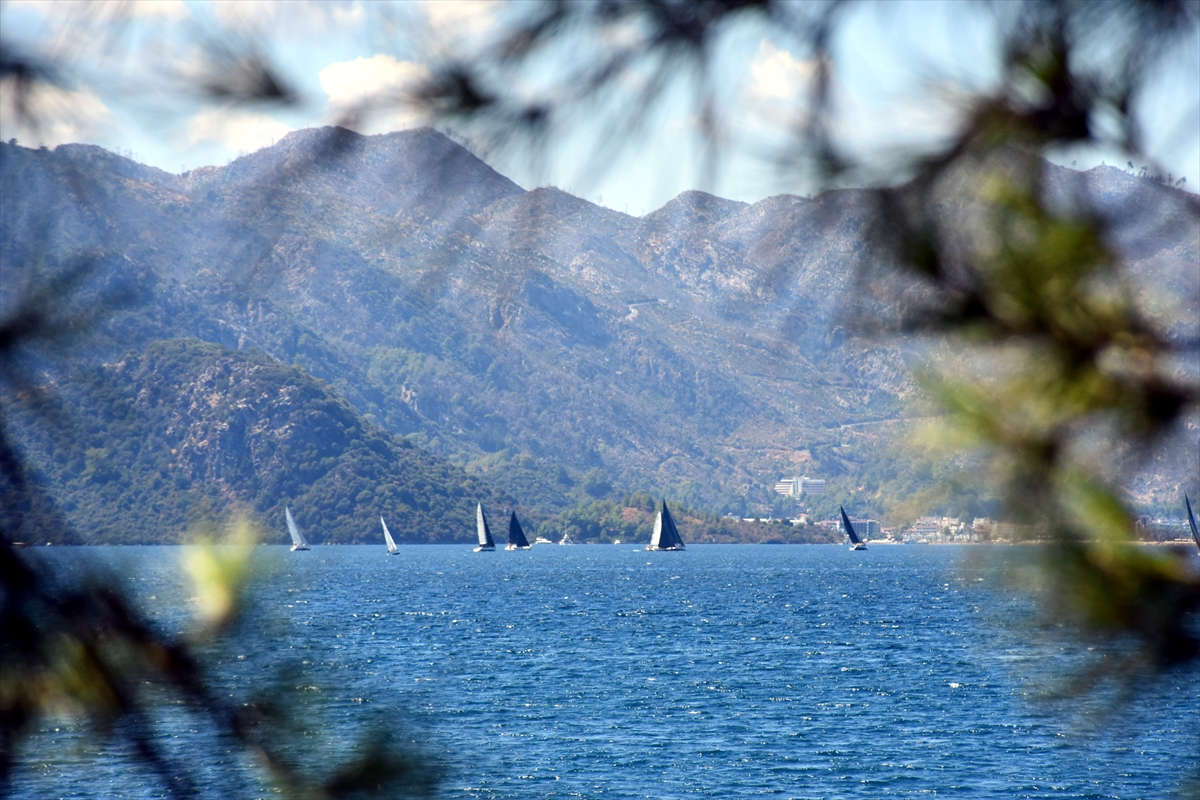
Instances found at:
x=240 y=131
x=343 y=15
x=460 y=26
x=460 y=17
x=773 y=96
x=53 y=115
x=248 y=15
x=371 y=88
x=776 y=74
x=296 y=16
x=348 y=83
x=170 y=10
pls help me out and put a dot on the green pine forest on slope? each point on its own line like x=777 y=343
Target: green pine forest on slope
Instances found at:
x=396 y=329
x=163 y=443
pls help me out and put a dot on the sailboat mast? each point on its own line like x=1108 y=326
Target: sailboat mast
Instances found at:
x=1192 y=522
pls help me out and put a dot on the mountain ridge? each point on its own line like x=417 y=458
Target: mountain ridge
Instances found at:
x=494 y=325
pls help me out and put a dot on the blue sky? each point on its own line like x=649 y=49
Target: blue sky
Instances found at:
x=900 y=70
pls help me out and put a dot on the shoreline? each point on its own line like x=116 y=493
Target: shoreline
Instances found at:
x=1174 y=543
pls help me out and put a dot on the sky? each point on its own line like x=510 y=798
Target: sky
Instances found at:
x=900 y=69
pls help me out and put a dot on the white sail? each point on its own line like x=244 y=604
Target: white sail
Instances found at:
x=298 y=540
x=485 y=534
x=387 y=535
x=656 y=537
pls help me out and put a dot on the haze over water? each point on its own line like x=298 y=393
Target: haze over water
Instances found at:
x=604 y=671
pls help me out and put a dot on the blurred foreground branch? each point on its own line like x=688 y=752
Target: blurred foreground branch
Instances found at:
x=81 y=649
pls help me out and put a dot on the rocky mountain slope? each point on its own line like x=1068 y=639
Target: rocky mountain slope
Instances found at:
x=534 y=339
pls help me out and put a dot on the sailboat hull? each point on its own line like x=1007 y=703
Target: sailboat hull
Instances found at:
x=296 y=547
x=485 y=548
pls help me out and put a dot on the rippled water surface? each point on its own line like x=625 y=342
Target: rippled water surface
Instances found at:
x=604 y=671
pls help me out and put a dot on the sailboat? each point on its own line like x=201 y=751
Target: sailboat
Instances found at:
x=855 y=542
x=1192 y=522
x=516 y=536
x=485 y=533
x=387 y=536
x=298 y=540
x=666 y=535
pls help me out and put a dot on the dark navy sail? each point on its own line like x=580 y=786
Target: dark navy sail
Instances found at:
x=516 y=536
x=666 y=535
x=1192 y=522
x=856 y=543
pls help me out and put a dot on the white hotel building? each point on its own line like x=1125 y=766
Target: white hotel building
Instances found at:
x=794 y=487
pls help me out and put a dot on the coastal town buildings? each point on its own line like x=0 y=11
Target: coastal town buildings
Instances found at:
x=939 y=530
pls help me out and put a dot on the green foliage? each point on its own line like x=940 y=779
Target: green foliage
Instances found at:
x=140 y=450
x=606 y=521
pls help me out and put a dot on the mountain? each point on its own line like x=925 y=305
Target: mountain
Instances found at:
x=189 y=431
x=559 y=350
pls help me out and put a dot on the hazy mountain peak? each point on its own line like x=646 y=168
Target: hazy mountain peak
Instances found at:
x=97 y=157
x=317 y=175
x=309 y=136
x=694 y=207
x=552 y=196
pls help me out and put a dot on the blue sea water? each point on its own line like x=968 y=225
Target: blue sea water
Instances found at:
x=608 y=672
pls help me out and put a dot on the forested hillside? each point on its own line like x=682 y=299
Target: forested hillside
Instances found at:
x=560 y=352
x=150 y=447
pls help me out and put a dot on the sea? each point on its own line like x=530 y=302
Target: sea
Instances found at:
x=604 y=671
